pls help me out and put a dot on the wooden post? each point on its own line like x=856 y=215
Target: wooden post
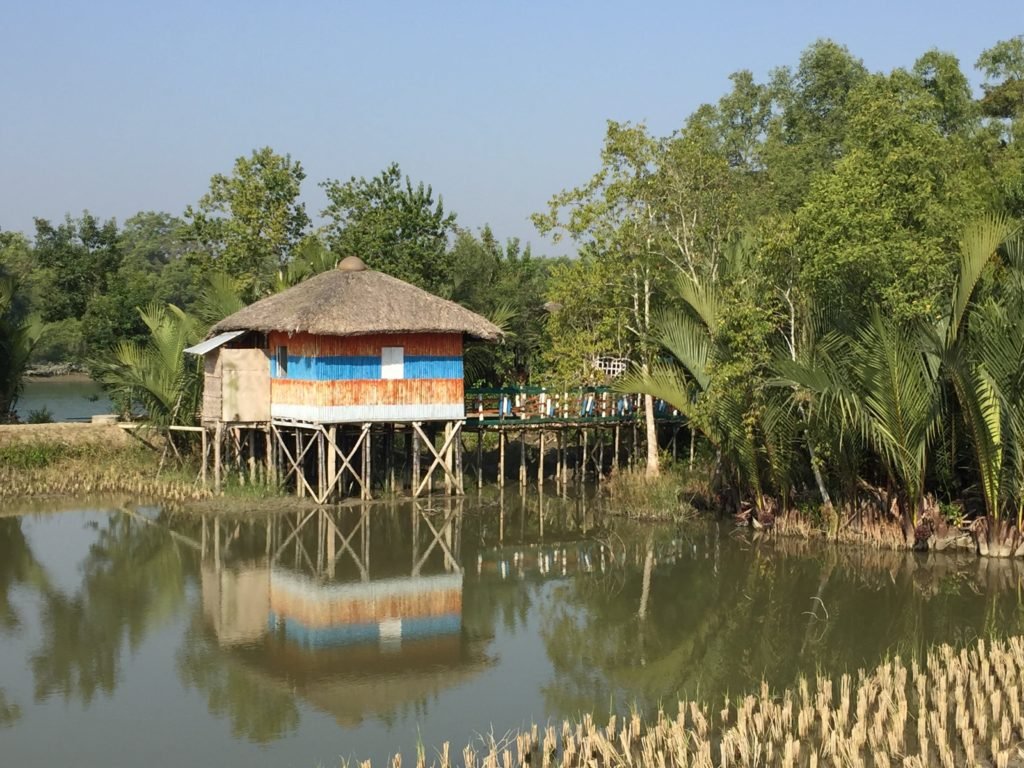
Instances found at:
x=250 y=440
x=522 y=458
x=300 y=486
x=367 y=462
x=432 y=435
x=218 y=437
x=332 y=456
x=583 y=463
x=458 y=457
x=268 y=445
x=389 y=450
x=447 y=458
x=501 y=457
x=321 y=481
x=205 y=457
x=615 y=451
x=540 y=464
x=540 y=512
x=415 y=463
x=480 y=458
x=600 y=455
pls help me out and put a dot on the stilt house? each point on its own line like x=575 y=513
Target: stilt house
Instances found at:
x=350 y=346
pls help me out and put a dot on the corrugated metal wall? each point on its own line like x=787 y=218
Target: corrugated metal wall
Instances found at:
x=333 y=379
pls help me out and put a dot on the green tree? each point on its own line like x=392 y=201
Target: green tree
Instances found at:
x=392 y=225
x=881 y=228
x=79 y=258
x=18 y=335
x=507 y=283
x=807 y=135
x=249 y=222
x=1003 y=67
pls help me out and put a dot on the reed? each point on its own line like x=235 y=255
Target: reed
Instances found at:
x=957 y=707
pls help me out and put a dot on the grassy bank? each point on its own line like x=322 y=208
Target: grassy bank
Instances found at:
x=957 y=707
x=83 y=459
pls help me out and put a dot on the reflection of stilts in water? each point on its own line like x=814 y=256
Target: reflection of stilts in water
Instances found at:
x=447 y=536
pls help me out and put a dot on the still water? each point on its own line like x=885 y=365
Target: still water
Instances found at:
x=67 y=398
x=138 y=636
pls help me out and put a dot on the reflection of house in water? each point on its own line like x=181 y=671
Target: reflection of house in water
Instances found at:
x=353 y=648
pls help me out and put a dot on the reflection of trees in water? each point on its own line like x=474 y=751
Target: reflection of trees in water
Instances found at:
x=738 y=612
x=133 y=580
x=258 y=711
x=17 y=566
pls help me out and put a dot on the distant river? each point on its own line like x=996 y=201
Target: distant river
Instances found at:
x=67 y=398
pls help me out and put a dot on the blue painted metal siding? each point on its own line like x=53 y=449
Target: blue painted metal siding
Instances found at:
x=352 y=368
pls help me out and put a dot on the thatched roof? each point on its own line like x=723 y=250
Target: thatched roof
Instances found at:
x=355 y=301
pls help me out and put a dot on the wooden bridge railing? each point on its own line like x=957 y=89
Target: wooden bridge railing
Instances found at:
x=536 y=404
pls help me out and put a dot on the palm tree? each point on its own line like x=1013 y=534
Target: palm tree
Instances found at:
x=158 y=376
x=724 y=414
x=18 y=336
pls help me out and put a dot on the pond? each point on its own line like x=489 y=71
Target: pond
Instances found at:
x=138 y=635
x=75 y=397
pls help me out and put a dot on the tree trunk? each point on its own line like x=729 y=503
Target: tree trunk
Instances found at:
x=653 y=466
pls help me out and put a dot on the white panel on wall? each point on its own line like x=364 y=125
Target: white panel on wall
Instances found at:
x=392 y=362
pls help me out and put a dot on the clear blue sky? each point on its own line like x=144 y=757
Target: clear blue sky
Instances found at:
x=125 y=106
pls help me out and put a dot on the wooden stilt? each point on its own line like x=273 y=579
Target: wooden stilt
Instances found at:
x=332 y=456
x=448 y=458
x=321 y=479
x=615 y=449
x=540 y=512
x=389 y=450
x=583 y=464
x=501 y=458
x=250 y=440
x=458 y=458
x=218 y=438
x=600 y=456
x=367 y=492
x=522 y=458
x=205 y=457
x=480 y=459
x=268 y=457
x=540 y=463
x=415 y=485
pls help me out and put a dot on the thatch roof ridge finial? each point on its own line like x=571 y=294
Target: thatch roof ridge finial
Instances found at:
x=352 y=264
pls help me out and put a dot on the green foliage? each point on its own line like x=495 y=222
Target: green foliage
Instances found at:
x=507 y=285
x=18 y=335
x=157 y=377
x=392 y=225
x=79 y=258
x=40 y=416
x=61 y=341
x=248 y=224
x=22 y=456
x=1003 y=66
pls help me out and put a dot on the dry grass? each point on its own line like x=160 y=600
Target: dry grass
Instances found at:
x=959 y=708
x=63 y=433
x=39 y=460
